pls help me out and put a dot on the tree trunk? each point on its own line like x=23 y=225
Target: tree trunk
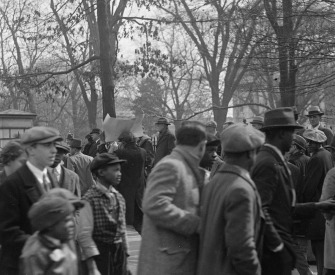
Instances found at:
x=106 y=68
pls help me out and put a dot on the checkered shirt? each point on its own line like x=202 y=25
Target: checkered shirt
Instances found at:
x=109 y=211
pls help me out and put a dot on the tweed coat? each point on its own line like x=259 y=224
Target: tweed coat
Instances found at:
x=80 y=164
x=165 y=143
x=171 y=216
x=17 y=194
x=232 y=224
x=318 y=166
x=328 y=191
x=68 y=180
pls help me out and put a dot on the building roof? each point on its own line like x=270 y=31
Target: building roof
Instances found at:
x=15 y=113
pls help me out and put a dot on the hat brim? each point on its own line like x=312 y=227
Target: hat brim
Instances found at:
x=290 y=126
x=315 y=114
x=163 y=123
x=46 y=140
x=60 y=147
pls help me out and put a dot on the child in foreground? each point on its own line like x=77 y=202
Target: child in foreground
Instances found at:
x=50 y=249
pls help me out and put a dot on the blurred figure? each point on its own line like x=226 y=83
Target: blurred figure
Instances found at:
x=314 y=115
x=318 y=166
x=171 y=207
x=80 y=164
x=95 y=134
x=12 y=158
x=132 y=183
x=69 y=138
x=331 y=148
x=211 y=127
x=65 y=177
x=146 y=143
x=257 y=122
x=231 y=224
x=88 y=144
x=166 y=140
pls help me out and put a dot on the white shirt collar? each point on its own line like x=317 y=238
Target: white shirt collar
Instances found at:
x=37 y=172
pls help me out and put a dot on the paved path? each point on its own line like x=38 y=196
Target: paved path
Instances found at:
x=134 y=240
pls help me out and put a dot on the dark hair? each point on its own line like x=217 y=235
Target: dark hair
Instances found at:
x=191 y=133
x=11 y=151
x=127 y=137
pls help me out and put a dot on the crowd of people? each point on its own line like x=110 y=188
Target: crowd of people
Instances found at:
x=248 y=200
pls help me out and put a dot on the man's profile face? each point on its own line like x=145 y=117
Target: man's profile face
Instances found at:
x=314 y=120
x=160 y=127
x=43 y=154
x=95 y=136
x=112 y=174
x=209 y=156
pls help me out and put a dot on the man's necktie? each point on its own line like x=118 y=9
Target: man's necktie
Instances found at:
x=46 y=183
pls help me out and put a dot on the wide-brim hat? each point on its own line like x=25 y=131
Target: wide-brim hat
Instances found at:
x=62 y=146
x=280 y=118
x=40 y=134
x=257 y=120
x=314 y=110
x=212 y=140
x=162 y=120
x=103 y=160
x=315 y=135
x=76 y=143
x=65 y=194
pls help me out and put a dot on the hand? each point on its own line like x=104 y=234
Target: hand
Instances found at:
x=326 y=206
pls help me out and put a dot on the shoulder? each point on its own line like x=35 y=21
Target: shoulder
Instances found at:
x=69 y=173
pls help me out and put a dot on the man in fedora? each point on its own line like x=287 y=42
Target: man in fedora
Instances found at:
x=65 y=177
x=257 y=122
x=95 y=134
x=21 y=190
x=314 y=115
x=318 y=166
x=80 y=164
x=231 y=221
x=166 y=140
x=273 y=179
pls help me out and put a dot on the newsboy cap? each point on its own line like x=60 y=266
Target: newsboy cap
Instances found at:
x=103 y=160
x=280 y=118
x=61 y=145
x=257 y=120
x=315 y=135
x=162 y=120
x=239 y=138
x=314 y=110
x=75 y=143
x=95 y=131
x=211 y=123
x=65 y=194
x=48 y=211
x=40 y=134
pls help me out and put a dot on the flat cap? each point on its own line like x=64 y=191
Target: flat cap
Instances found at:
x=239 y=138
x=40 y=134
x=65 y=194
x=315 y=135
x=75 y=143
x=61 y=145
x=105 y=159
x=48 y=211
x=211 y=123
x=212 y=140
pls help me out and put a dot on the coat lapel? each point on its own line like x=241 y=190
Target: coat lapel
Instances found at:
x=33 y=189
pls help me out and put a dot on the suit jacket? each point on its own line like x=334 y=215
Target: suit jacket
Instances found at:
x=94 y=149
x=328 y=134
x=165 y=143
x=171 y=216
x=317 y=168
x=17 y=194
x=232 y=224
x=275 y=186
x=68 y=180
x=80 y=164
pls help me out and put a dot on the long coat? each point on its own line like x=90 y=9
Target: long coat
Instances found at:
x=68 y=180
x=231 y=224
x=80 y=164
x=328 y=191
x=165 y=143
x=171 y=216
x=132 y=182
x=275 y=186
x=17 y=194
x=317 y=168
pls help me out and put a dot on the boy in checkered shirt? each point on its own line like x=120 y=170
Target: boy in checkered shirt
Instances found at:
x=109 y=211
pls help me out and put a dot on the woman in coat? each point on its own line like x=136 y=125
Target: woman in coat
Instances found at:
x=132 y=180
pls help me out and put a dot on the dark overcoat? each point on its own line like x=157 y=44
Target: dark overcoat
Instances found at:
x=17 y=194
x=132 y=180
x=165 y=143
x=317 y=168
x=328 y=134
x=231 y=225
